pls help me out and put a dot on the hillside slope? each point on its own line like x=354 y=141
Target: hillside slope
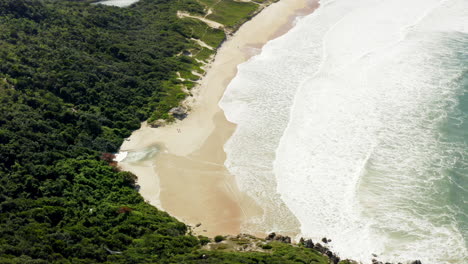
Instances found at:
x=75 y=80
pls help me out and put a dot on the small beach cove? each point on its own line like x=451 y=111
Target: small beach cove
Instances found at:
x=186 y=176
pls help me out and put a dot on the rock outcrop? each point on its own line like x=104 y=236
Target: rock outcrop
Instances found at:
x=308 y=243
x=158 y=123
x=179 y=112
x=273 y=236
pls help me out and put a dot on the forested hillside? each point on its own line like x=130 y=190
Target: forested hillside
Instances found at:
x=75 y=79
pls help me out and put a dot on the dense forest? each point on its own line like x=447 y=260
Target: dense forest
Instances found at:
x=75 y=79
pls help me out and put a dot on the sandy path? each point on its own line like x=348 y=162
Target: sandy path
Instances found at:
x=189 y=179
x=210 y=23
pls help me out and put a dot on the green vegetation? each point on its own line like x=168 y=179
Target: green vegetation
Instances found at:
x=229 y=12
x=267 y=246
x=218 y=238
x=199 y=30
x=280 y=253
x=75 y=79
x=204 y=240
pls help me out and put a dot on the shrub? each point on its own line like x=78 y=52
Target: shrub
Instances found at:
x=218 y=238
x=267 y=246
x=203 y=240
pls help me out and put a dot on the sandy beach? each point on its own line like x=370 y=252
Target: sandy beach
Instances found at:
x=187 y=177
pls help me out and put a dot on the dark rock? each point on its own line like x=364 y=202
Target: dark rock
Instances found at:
x=336 y=260
x=325 y=240
x=416 y=262
x=301 y=241
x=333 y=258
x=178 y=112
x=374 y=255
x=271 y=236
x=320 y=248
x=197 y=225
x=279 y=238
x=309 y=244
x=329 y=240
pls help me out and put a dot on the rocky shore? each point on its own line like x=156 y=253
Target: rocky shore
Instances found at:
x=249 y=243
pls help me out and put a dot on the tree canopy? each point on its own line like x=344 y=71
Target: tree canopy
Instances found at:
x=75 y=79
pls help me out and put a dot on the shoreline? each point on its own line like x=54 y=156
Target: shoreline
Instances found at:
x=187 y=178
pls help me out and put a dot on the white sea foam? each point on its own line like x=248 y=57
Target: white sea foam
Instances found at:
x=273 y=77
x=120 y=156
x=341 y=116
x=139 y=155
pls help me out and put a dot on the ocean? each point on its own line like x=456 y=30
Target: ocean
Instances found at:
x=354 y=126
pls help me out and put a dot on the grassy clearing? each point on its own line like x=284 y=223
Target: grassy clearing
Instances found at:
x=200 y=30
x=213 y=37
x=209 y=3
x=203 y=54
x=229 y=12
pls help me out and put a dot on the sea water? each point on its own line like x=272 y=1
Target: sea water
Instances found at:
x=354 y=126
x=138 y=156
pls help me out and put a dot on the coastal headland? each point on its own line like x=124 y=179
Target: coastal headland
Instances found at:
x=187 y=177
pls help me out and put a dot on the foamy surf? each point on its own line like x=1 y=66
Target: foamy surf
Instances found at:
x=357 y=119
x=138 y=156
x=120 y=156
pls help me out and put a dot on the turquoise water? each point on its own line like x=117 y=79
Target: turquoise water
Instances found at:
x=355 y=122
x=418 y=170
x=455 y=131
